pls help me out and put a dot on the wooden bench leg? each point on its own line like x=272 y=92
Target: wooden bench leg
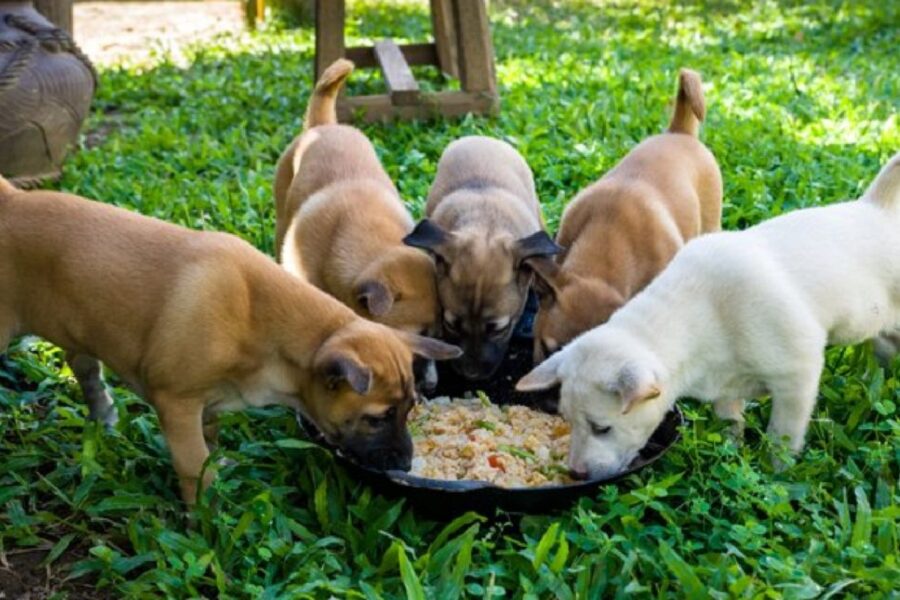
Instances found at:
x=445 y=36
x=476 y=53
x=329 y=33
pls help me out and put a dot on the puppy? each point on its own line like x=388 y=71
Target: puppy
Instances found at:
x=341 y=223
x=735 y=314
x=483 y=225
x=199 y=323
x=620 y=232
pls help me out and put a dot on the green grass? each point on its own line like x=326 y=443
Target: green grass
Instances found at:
x=802 y=111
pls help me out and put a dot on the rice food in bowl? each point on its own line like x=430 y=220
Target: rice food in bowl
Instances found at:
x=474 y=439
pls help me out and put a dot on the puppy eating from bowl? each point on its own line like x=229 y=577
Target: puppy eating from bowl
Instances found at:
x=341 y=223
x=197 y=323
x=621 y=231
x=483 y=225
x=735 y=314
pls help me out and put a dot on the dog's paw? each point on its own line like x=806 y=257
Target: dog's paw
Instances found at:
x=108 y=416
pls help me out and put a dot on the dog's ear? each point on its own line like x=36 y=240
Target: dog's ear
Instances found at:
x=431 y=348
x=635 y=386
x=428 y=236
x=546 y=277
x=542 y=377
x=338 y=369
x=538 y=244
x=375 y=297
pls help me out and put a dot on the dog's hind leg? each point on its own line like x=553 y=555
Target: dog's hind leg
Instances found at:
x=793 y=401
x=89 y=374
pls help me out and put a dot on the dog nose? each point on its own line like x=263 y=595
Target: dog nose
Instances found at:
x=578 y=475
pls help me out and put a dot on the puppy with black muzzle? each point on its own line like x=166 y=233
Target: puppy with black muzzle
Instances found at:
x=341 y=222
x=622 y=230
x=483 y=224
x=199 y=323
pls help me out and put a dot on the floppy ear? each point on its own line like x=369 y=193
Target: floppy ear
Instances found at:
x=431 y=348
x=538 y=244
x=342 y=368
x=635 y=386
x=375 y=297
x=546 y=277
x=542 y=377
x=427 y=236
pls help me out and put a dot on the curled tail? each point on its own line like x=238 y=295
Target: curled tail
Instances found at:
x=885 y=190
x=690 y=107
x=321 y=109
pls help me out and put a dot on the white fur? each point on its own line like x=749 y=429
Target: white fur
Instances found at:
x=735 y=314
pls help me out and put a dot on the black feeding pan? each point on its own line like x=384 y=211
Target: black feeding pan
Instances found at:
x=448 y=498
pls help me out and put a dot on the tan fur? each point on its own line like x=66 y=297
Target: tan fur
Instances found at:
x=196 y=322
x=483 y=197
x=341 y=222
x=621 y=231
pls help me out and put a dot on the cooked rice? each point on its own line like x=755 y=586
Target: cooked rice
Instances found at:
x=470 y=438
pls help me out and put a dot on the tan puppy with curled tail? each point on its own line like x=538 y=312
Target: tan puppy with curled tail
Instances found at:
x=341 y=222
x=622 y=231
x=198 y=323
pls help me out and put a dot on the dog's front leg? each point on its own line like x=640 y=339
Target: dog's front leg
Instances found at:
x=793 y=401
x=89 y=373
x=732 y=410
x=181 y=420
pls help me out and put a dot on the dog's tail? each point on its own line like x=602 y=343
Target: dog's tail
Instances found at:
x=321 y=109
x=885 y=190
x=690 y=107
x=6 y=188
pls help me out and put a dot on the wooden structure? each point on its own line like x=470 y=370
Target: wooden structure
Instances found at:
x=462 y=48
x=58 y=12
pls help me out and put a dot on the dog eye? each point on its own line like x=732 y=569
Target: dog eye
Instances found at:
x=379 y=420
x=497 y=325
x=598 y=430
x=547 y=348
x=450 y=320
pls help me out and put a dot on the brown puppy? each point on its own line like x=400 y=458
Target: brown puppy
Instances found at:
x=620 y=232
x=199 y=323
x=483 y=225
x=341 y=222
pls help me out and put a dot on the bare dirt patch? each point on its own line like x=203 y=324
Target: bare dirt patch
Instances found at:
x=133 y=32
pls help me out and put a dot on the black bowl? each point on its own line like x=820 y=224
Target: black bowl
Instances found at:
x=444 y=499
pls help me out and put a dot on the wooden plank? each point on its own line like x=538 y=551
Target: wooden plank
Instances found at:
x=58 y=12
x=415 y=54
x=445 y=36
x=401 y=84
x=432 y=105
x=329 y=33
x=476 y=53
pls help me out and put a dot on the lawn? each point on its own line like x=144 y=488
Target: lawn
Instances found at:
x=802 y=101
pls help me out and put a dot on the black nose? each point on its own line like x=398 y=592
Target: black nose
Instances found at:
x=476 y=369
x=578 y=475
x=386 y=459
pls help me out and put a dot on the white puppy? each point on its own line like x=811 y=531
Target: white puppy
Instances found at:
x=736 y=314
